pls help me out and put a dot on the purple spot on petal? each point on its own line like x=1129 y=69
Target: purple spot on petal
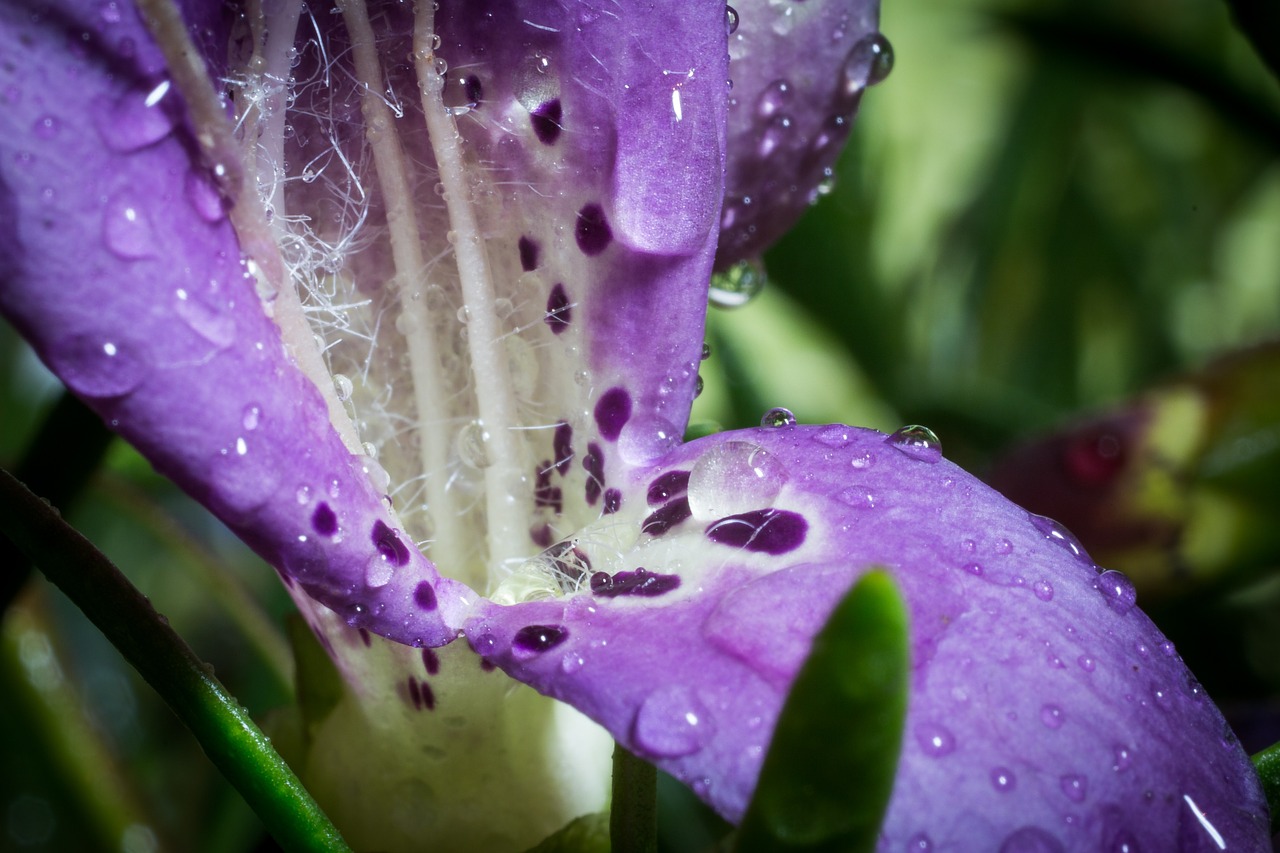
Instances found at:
x=324 y=520
x=364 y=637
x=428 y=697
x=473 y=90
x=529 y=251
x=424 y=595
x=544 y=494
x=559 y=311
x=562 y=446
x=592 y=230
x=415 y=695
x=662 y=520
x=388 y=543
x=535 y=639
x=769 y=531
x=668 y=486
x=641 y=582
x=612 y=501
x=593 y=462
x=431 y=661
x=545 y=118
x=541 y=535
x=487 y=665
x=613 y=410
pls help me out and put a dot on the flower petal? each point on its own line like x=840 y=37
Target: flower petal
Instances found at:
x=1043 y=704
x=118 y=263
x=798 y=71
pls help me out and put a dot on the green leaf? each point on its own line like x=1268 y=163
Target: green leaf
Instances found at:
x=829 y=772
x=586 y=834
x=1267 y=763
x=228 y=735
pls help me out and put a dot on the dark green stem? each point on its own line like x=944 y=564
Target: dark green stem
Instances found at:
x=1267 y=763
x=224 y=730
x=65 y=452
x=633 y=819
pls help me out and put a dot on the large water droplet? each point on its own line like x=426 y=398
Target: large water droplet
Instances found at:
x=737 y=285
x=774 y=136
x=1118 y=590
x=645 y=438
x=134 y=120
x=778 y=417
x=833 y=435
x=1043 y=590
x=378 y=571
x=473 y=445
x=672 y=722
x=126 y=229
x=918 y=442
x=732 y=478
x=93 y=367
x=730 y=20
x=1056 y=533
x=206 y=320
x=204 y=197
x=869 y=62
x=774 y=97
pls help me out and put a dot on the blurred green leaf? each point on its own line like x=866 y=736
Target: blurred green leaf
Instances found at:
x=829 y=772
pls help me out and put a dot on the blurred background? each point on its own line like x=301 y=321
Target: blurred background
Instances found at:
x=1054 y=240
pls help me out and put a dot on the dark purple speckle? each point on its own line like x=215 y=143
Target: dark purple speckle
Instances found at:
x=667 y=486
x=593 y=462
x=641 y=582
x=364 y=637
x=768 y=531
x=535 y=639
x=592 y=230
x=415 y=695
x=545 y=118
x=388 y=543
x=544 y=494
x=612 y=501
x=662 y=520
x=324 y=520
x=559 y=311
x=562 y=447
x=529 y=251
x=541 y=535
x=424 y=595
x=473 y=90
x=613 y=410
x=428 y=697
x=431 y=661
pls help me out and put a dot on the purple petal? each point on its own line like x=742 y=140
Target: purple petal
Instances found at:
x=1037 y=707
x=798 y=71
x=118 y=263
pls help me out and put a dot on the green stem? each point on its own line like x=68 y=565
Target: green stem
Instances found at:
x=230 y=738
x=1267 y=763
x=633 y=816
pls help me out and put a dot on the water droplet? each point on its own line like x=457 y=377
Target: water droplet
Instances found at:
x=1004 y=546
x=1056 y=533
x=706 y=351
x=1118 y=590
x=920 y=843
x=204 y=197
x=774 y=97
x=974 y=569
x=126 y=229
x=46 y=127
x=774 y=135
x=737 y=285
x=645 y=438
x=472 y=444
x=935 y=740
x=207 y=321
x=343 y=387
x=303 y=494
x=918 y=442
x=378 y=571
x=1074 y=787
x=868 y=63
x=372 y=469
x=730 y=20
x=93 y=367
x=1003 y=779
x=1087 y=663
x=132 y=121
x=1043 y=590
x=1031 y=839
x=858 y=497
x=778 y=417
x=251 y=418
x=672 y=722
x=109 y=12
x=734 y=477
x=833 y=435
x=1121 y=758
x=1052 y=716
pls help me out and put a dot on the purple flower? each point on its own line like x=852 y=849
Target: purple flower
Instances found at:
x=387 y=283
